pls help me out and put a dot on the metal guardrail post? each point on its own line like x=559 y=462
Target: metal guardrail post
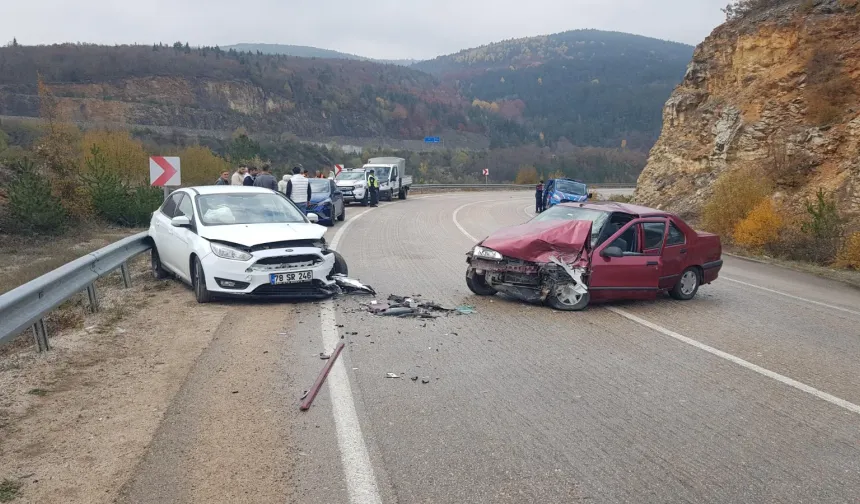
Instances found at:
x=126 y=276
x=94 y=297
x=40 y=334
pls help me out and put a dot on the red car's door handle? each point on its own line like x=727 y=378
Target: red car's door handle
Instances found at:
x=651 y=263
x=683 y=251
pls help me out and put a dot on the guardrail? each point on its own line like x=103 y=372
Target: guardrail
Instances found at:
x=612 y=185
x=27 y=305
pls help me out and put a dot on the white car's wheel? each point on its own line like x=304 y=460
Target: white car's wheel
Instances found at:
x=158 y=271
x=198 y=283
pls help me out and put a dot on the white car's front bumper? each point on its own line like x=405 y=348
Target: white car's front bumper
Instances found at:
x=353 y=193
x=252 y=278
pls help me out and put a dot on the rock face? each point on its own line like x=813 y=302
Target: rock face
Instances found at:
x=779 y=92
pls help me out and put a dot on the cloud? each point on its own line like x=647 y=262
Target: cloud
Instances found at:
x=373 y=28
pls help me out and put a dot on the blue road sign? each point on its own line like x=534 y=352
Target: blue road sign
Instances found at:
x=432 y=139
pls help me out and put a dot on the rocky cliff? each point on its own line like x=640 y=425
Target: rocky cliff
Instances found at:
x=777 y=91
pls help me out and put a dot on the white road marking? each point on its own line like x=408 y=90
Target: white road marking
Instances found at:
x=457 y=223
x=360 y=480
x=791 y=296
x=842 y=403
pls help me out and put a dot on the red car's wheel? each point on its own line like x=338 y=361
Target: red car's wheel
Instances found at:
x=687 y=285
x=564 y=298
x=478 y=284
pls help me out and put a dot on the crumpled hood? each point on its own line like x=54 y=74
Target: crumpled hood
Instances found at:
x=570 y=196
x=539 y=242
x=250 y=235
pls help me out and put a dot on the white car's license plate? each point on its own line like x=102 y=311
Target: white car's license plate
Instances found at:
x=288 y=278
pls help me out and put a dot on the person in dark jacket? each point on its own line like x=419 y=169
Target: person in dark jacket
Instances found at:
x=250 y=176
x=224 y=179
x=539 y=198
x=266 y=179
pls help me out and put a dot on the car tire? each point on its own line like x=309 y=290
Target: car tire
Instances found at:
x=567 y=301
x=478 y=284
x=366 y=199
x=687 y=286
x=342 y=216
x=340 y=266
x=402 y=194
x=198 y=283
x=158 y=271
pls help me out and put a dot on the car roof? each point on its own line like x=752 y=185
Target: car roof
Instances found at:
x=614 y=206
x=224 y=189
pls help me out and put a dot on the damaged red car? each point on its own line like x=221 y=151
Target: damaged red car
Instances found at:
x=578 y=253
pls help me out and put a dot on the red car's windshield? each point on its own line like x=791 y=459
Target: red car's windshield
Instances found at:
x=562 y=212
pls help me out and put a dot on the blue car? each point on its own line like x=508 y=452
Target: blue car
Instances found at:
x=564 y=190
x=326 y=201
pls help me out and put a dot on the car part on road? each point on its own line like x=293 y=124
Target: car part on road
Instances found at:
x=465 y=310
x=306 y=403
x=324 y=356
x=392 y=375
x=351 y=286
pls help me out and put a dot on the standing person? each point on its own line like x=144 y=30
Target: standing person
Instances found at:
x=373 y=187
x=239 y=176
x=266 y=179
x=306 y=174
x=299 y=189
x=250 y=176
x=282 y=184
x=224 y=179
x=539 y=198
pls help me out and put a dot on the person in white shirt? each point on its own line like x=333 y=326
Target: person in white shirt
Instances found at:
x=239 y=176
x=282 y=184
x=299 y=189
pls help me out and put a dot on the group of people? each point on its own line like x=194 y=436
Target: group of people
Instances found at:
x=296 y=187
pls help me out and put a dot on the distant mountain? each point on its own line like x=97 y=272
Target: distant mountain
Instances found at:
x=589 y=87
x=309 y=52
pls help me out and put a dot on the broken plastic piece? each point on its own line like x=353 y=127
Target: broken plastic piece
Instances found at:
x=392 y=375
x=574 y=273
x=324 y=356
x=350 y=285
x=396 y=312
x=465 y=310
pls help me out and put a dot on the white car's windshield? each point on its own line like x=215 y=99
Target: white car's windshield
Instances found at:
x=562 y=212
x=224 y=209
x=351 y=176
x=382 y=173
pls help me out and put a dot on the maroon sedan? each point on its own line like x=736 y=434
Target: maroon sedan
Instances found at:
x=577 y=253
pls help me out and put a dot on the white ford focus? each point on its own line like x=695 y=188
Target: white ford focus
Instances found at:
x=245 y=241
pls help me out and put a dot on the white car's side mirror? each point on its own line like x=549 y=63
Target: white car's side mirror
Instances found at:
x=313 y=217
x=180 y=221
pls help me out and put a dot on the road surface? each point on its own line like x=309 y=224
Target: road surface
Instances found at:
x=748 y=393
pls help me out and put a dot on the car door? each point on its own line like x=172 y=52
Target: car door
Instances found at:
x=177 y=244
x=163 y=230
x=674 y=256
x=336 y=200
x=634 y=275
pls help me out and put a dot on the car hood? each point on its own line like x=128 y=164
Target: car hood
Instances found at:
x=570 y=196
x=319 y=198
x=250 y=235
x=348 y=183
x=539 y=242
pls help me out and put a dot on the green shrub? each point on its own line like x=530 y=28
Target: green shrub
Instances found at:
x=113 y=200
x=31 y=205
x=825 y=227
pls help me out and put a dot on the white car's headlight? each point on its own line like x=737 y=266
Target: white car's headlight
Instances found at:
x=225 y=252
x=485 y=253
x=360 y=185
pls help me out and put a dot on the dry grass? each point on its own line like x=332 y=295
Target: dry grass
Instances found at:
x=849 y=254
x=760 y=228
x=735 y=194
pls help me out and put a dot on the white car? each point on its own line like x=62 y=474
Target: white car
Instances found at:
x=242 y=241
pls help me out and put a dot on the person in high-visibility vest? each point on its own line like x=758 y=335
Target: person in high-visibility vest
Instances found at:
x=373 y=187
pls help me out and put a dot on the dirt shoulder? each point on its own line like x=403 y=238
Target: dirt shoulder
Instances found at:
x=26 y=258
x=76 y=422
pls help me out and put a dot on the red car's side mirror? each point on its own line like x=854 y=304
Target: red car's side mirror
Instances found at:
x=612 y=252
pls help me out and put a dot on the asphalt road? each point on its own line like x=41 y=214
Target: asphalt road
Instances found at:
x=748 y=393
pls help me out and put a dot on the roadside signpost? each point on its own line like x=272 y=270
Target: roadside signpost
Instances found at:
x=164 y=172
x=486 y=175
x=337 y=169
x=432 y=139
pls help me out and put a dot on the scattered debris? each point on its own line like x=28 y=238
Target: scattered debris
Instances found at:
x=425 y=381
x=392 y=375
x=235 y=391
x=414 y=378
x=413 y=307
x=465 y=310
x=306 y=403
x=324 y=356
x=304 y=394
x=352 y=286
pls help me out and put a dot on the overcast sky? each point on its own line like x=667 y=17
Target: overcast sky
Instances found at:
x=372 y=28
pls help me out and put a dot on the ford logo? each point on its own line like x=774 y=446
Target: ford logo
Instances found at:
x=288 y=250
